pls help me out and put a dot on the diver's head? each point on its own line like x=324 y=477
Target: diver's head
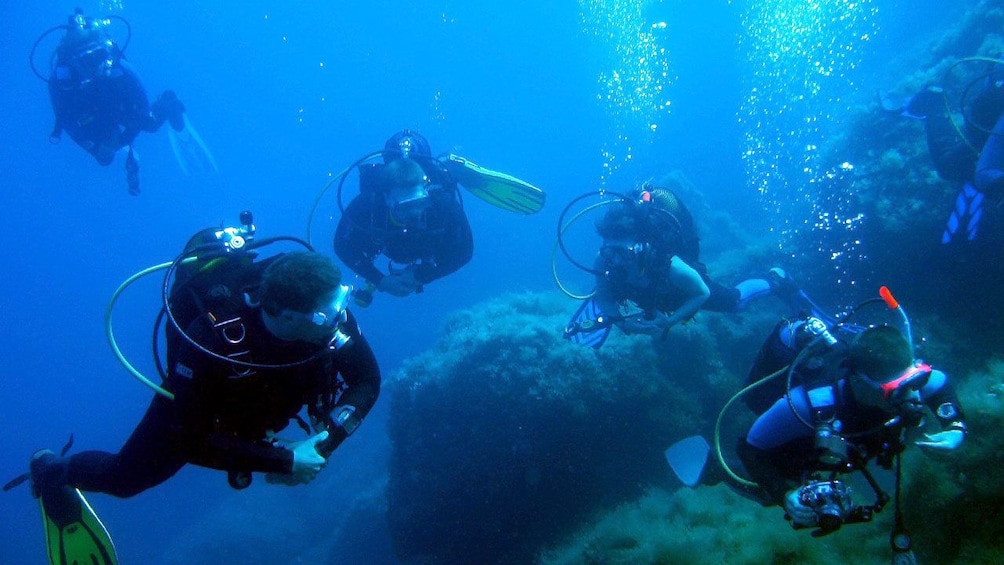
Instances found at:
x=626 y=254
x=406 y=193
x=406 y=143
x=299 y=293
x=626 y=248
x=642 y=228
x=87 y=48
x=663 y=199
x=81 y=30
x=883 y=371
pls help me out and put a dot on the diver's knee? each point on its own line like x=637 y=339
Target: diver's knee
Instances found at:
x=990 y=182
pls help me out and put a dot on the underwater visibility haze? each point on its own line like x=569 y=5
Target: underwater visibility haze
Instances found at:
x=494 y=439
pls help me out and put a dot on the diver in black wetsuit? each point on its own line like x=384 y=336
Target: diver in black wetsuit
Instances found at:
x=970 y=156
x=283 y=321
x=407 y=210
x=99 y=100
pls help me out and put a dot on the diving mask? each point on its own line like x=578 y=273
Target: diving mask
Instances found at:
x=408 y=204
x=621 y=253
x=904 y=388
x=334 y=314
x=912 y=379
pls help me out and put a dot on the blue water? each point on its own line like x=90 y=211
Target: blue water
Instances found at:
x=287 y=93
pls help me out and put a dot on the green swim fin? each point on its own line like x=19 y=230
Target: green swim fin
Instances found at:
x=498 y=189
x=74 y=534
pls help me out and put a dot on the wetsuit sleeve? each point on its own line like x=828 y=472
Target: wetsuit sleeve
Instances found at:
x=453 y=250
x=777 y=449
x=361 y=375
x=354 y=243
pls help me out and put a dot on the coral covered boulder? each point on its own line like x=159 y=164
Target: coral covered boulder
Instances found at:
x=506 y=436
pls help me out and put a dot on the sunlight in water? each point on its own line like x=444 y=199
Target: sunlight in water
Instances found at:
x=633 y=83
x=802 y=55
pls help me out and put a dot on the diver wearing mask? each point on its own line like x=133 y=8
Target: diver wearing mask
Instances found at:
x=797 y=448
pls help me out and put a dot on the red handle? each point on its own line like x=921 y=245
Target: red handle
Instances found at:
x=886 y=295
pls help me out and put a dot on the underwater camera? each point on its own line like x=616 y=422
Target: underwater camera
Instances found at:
x=831 y=501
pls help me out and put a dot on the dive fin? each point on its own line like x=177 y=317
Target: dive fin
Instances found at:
x=73 y=532
x=964 y=221
x=190 y=151
x=498 y=189
x=688 y=458
x=588 y=325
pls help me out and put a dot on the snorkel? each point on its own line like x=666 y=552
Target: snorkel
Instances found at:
x=894 y=304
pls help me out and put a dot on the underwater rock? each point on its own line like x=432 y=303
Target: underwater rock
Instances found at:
x=506 y=436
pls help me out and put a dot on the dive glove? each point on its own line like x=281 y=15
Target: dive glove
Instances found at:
x=941 y=442
x=400 y=283
x=801 y=515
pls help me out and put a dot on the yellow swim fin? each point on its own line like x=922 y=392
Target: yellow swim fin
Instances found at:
x=498 y=189
x=74 y=535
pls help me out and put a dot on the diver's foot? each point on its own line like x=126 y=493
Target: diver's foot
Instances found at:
x=44 y=472
x=781 y=283
x=918 y=106
x=169 y=108
x=890 y=104
x=924 y=103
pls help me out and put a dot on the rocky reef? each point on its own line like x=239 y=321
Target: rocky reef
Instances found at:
x=512 y=445
x=506 y=436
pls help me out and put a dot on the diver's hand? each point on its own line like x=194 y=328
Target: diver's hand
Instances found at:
x=646 y=323
x=399 y=283
x=941 y=442
x=307 y=462
x=801 y=516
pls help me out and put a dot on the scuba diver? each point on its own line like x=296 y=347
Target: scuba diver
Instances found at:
x=99 y=101
x=649 y=276
x=251 y=342
x=971 y=156
x=410 y=210
x=853 y=396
